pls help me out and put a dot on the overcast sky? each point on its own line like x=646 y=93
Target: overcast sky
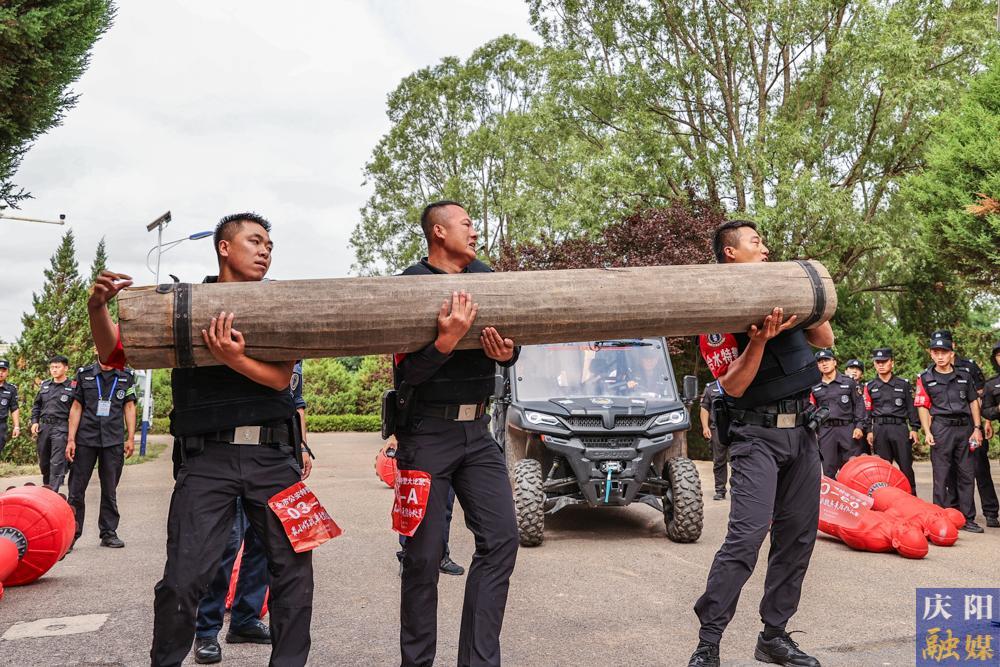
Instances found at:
x=205 y=108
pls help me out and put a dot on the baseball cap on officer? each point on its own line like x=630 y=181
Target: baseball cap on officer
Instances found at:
x=941 y=343
x=942 y=333
x=882 y=354
x=855 y=363
x=4 y=364
x=826 y=353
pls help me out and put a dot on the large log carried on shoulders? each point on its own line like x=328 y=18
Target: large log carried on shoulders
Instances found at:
x=295 y=319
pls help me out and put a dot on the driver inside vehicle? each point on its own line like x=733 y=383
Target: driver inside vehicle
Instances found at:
x=646 y=377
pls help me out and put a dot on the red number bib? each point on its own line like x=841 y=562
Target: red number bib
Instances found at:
x=412 y=487
x=304 y=519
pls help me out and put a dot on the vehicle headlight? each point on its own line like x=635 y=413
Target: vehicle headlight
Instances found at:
x=541 y=418
x=675 y=417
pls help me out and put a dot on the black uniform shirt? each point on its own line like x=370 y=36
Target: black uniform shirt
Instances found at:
x=991 y=398
x=842 y=397
x=712 y=391
x=107 y=431
x=891 y=399
x=52 y=403
x=8 y=400
x=945 y=394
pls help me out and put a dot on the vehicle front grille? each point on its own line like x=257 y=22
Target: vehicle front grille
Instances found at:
x=630 y=421
x=608 y=442
x=585 y=422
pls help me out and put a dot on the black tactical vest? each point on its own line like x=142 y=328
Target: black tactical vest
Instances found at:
x=469 y=376
x=787 y=369
x=217 y=398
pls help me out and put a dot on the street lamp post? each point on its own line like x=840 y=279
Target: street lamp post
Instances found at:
x=161 y=247
x=60 y=221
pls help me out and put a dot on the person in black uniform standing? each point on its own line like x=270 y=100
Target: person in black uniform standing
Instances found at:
x=447 y=435
x=103 y=407
x=720 y=454
x=50 y=422
x=8 y=405
x=765 y=375
x=238 y=434
x=840 y=436
x=991 y=411
x=855 y=369
x=893 y=421
x=949 y=414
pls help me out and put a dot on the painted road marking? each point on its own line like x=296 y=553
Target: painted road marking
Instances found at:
x=53 y=627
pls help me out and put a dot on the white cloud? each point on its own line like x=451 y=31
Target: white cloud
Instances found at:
x=205 y=108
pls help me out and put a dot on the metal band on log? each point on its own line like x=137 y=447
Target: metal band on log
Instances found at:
x=295 y=319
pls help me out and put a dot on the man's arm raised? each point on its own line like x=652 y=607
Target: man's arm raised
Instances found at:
x=103 y=328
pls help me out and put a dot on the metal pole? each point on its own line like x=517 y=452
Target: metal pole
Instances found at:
x=147 y=384
x=60 y=221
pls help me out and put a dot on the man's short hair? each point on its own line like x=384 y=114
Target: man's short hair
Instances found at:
x=59 y=359
x=727 y=236
x=230 y=224
x=426 y=222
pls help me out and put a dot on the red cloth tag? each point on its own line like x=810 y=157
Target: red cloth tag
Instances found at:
x=840 y=505
x=412 y=487
x=304 y=519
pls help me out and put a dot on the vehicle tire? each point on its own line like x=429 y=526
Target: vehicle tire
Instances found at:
x=529 y=502
x=683 y=505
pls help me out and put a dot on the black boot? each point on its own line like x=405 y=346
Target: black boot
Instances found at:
x=706 y=655
x=782 y=650
x=207 y=650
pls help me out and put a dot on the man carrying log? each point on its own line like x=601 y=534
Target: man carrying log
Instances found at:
x=238 y=436
x=764 y=416
x=443 y=430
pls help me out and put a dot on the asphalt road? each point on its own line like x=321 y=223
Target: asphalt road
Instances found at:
x=606 y=587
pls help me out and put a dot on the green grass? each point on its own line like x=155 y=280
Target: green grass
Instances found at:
x=153 y=451
x=15 y=470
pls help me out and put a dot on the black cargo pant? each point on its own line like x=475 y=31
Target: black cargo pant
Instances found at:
x=984 y=481
x=110 y=461
x=720 y=462
x=953 y=469
x=3 y=435
x=836 y=446
x=202 y=510
x=465 y=456
x=775 y=487
x=52 y=454
x=892 y=443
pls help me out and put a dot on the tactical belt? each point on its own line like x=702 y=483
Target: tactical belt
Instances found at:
x=251 y=435
x=769 y=420
x=888 y=420
x=55 y=420
x=838 y=422
x=465 y=412
x=953 y=421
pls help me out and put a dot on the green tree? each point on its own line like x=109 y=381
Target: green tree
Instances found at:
x=481 y=132
x=46 y=46
x=958 y=234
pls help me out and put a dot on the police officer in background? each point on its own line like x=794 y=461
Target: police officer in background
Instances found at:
x=984 y=480
x=855 y=370
x=8 y=405
x=446 y=433
x=50 y=422
x=949 y=414
x=720 y=453
x=840 y=436
x=893 y=421
x=103 y=406
x=991 y=411
x=775 y=461
x=240 y=438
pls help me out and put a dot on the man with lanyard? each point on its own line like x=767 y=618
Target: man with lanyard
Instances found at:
x=446 y=433
x=720 y=454
x=103 y=396
x=889 y=401
x=765 y=375
x=238 y=432
x=50 y=422
x=8 y=404
x=991 y=411
x=842 y=432
x=948 y=404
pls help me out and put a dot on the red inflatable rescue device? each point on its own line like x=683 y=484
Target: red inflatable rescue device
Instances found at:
x=36 y=530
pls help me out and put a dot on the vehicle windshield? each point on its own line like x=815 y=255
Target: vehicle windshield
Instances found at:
x=630 y=368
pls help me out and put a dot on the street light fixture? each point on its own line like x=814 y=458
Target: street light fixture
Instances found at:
x=159 y=249
x=60 y=221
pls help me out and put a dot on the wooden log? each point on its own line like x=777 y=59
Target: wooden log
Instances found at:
x=294 y=319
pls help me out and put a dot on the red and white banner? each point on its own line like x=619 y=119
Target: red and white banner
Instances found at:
x=413 y=488
x=304 y=519
x=840 y=505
